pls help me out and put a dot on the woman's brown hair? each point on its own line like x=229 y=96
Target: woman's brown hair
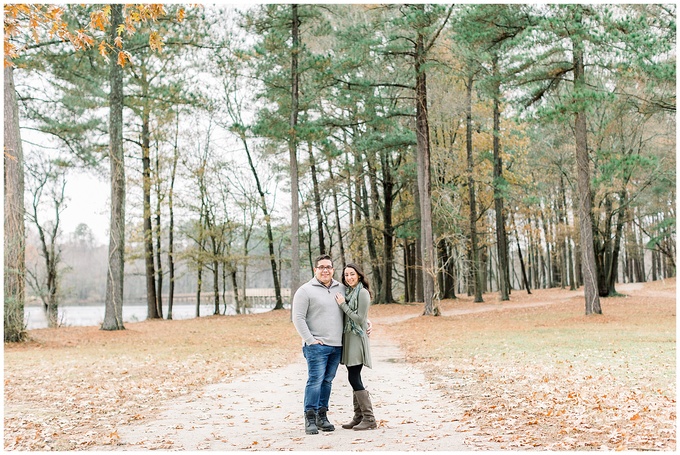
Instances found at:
x=362 y=277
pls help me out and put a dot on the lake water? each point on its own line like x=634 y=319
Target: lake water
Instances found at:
x=34 y=316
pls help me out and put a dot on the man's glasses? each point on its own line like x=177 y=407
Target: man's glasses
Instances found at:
x=324 y=267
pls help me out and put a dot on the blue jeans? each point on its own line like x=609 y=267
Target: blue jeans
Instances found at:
x=322 y=363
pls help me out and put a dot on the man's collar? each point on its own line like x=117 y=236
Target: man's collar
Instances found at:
x=330 y=285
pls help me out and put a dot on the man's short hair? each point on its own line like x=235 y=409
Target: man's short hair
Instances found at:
x=323 y=257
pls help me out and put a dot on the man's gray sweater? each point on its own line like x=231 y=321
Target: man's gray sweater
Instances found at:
x=316 y=315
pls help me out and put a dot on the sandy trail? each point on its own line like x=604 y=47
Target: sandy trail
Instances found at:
x=263 y=411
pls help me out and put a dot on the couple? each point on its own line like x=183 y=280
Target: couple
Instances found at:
x=332 y=319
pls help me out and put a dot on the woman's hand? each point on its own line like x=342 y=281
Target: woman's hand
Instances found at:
x=339 y=298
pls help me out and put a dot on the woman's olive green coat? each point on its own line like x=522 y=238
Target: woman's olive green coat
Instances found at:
x=356 y=350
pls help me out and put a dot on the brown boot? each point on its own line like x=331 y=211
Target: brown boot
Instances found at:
x=367 y=420
x=357 y=414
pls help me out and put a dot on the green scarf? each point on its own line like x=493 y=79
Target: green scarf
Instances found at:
x=353 y=303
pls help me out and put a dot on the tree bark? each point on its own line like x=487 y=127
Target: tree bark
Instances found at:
x=48 y=290
x=498 y=189
x=592 y=298
x=474 y=256
x=370 y=242
x=409 y=285
x=237 y=296
x=612 y=271
x=336 y=211
x=152 y=310
x=525 y=279
x=171 y=222
x=388 y=228
x=292 y=150
x=424 y=181
x=372 y=219
x=317 y=201
x=158 y=263
x=14 y=246
x=268 y=225
x=113 y=314
x=417 y=265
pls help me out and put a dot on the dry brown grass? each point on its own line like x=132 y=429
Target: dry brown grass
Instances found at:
x=549 y=377
x=69 y=388
x=542 y=376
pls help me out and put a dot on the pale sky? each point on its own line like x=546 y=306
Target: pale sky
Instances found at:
x=88 y=202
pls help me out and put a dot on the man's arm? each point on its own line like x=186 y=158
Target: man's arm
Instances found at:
x=299 y=308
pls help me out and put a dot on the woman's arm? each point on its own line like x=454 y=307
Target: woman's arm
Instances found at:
x=361 y=314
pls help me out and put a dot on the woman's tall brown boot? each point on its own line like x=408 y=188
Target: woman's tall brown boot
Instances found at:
x=367 y=418
x=357 y=414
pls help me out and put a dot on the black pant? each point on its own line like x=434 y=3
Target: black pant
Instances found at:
x=354 y=376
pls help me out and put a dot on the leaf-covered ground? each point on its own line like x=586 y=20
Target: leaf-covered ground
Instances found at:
x=551 y=378
x=534 y=373
x=71 y=387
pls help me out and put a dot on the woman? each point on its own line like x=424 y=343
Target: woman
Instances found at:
x=356 y=350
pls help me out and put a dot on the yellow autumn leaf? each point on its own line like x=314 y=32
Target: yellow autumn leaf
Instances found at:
x=155 y=41
x=123 y=57
x=99 y=20
x=102 y=49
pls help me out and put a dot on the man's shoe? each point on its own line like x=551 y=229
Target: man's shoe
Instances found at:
x=322 y=420
x=310 y=422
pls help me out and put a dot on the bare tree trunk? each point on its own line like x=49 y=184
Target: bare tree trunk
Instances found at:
x=14 y=246
x=424 y=181
x=237 y=296
x=113 y=314
x=474 y=253
x=549 y=280
x=409 y=291
x=46 y=179
x=216 y=284
x=159 y=264
x=171 y=225
x=199 y=285
x=317 y=202
x=612 y=271
x=417 y=265
x=292 y=149
x=336 y=211
x=592 y=298
x=525 y=279
x=373 y=221
x=498 y=190
x=152 y=310
x=370 y=242
x=570 y=253
x=388 y=230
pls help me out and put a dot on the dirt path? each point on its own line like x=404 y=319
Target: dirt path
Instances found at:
x=263 y=411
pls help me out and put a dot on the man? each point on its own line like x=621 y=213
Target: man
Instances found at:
x=319 y=321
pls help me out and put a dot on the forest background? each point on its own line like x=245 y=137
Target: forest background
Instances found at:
x=445 y=148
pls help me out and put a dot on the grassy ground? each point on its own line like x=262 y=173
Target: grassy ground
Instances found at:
x=544 y=377
x=552 y=378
